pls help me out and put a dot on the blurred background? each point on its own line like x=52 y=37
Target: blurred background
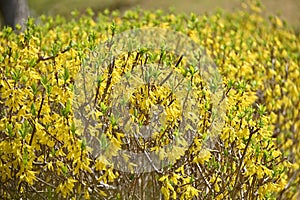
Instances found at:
x=288 y=10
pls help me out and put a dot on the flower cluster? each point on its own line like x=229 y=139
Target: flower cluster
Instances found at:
x=45 y=153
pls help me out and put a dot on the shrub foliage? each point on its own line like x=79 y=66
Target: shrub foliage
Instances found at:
x=43 y=153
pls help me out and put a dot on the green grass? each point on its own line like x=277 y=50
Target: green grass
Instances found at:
x=64 y=7
x=287 y=10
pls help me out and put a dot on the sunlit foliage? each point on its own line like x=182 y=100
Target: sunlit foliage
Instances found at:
x=43 y=153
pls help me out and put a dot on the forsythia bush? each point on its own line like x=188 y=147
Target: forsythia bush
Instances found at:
x=43 y=151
